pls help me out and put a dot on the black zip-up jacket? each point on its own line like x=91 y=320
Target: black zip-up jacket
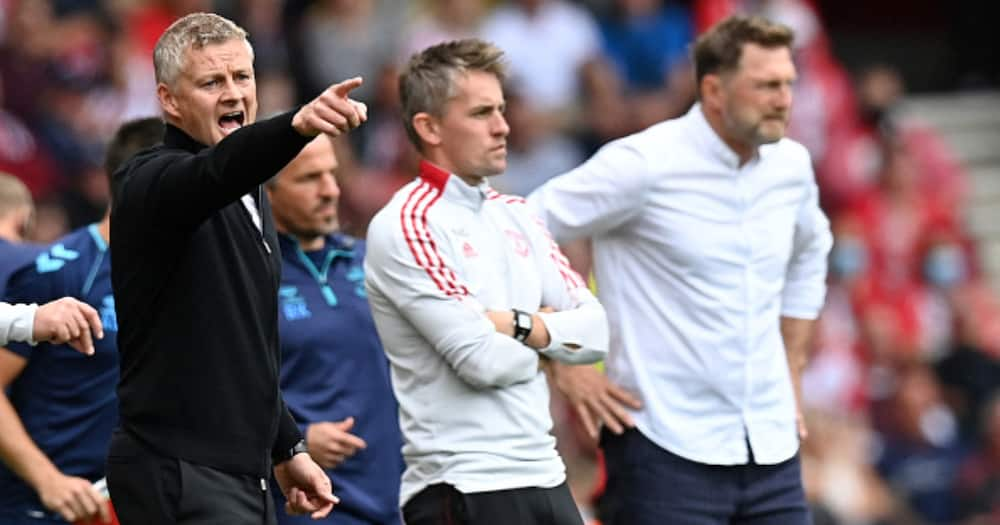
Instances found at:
x=195 y=285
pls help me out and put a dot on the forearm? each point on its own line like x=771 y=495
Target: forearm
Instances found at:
x=178 y=188
x=18 y=451
x=579 y=335
x=797 y=336
x=576 y=336
x=494 y=361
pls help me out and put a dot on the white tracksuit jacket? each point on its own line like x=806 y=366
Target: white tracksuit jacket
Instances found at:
x=16 y=322
x=474 y=408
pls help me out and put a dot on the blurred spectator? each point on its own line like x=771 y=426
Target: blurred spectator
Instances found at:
x=16 y=213
x=364 y=190
x=441 y=21
x=51 y=222
x=533 y=156
x=606 y=112
x=854 y=156
x=840 y=483
x=22 y=153
x=262 y=19
x=835 y=379
x=897 y=215
x=346 y=38
x=570 y=39
x=646 y=41
x=920 y=453
x=979 y=482
x=27 y=45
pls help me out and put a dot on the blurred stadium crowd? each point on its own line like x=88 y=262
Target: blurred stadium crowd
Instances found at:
x=902 y=391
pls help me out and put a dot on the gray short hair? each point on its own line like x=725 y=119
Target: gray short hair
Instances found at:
x=428 y=80
x=193 y=31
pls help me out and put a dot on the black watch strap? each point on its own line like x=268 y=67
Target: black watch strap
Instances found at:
x=522 y=324
x=298 y=448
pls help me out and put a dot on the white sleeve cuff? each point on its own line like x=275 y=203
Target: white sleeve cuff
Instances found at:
x=22 y=323
x=576 y=336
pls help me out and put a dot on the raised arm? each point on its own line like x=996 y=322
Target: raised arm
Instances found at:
x=183 y=190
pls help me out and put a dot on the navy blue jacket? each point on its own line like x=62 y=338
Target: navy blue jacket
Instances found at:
x=333 y=367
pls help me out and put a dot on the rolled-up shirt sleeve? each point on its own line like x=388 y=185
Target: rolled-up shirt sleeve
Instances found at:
x=430 y=296
x=805 y=278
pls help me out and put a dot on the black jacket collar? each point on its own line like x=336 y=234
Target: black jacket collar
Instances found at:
x=174 y=137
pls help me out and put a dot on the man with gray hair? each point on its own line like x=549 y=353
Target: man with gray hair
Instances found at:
x=195 y=272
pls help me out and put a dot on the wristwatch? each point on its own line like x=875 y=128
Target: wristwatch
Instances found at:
x=522 y=324
x=297 y=448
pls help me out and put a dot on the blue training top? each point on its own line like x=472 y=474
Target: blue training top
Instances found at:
x=12 y=257
x=65 y=399
x=333 y=367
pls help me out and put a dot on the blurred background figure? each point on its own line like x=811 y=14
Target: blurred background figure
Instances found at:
x=59 y=407
x=334 y=374
x=16 y=213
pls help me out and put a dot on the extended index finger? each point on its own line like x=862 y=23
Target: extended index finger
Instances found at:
x=343 y=88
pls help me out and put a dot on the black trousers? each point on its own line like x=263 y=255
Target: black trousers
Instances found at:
x=150 y=489
x=442 y=504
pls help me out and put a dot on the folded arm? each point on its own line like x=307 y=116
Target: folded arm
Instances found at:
x=422 y=287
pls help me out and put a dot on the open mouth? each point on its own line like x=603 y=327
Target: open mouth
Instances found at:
x=231 y=122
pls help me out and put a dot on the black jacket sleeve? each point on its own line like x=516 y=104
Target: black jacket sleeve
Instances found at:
x=288 y=434
x=182 y=190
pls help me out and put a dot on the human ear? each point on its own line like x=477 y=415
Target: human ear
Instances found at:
x=711 y=89
x=428 y=128
x=168 y=102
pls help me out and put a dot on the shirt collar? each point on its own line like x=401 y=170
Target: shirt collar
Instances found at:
x=174 y=137
x=454 y=188
x=337 y=241
x=710 y=140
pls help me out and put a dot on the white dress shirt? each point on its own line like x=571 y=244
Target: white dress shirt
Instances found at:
x=474 y=407
x=696 y=260
x=16 y=322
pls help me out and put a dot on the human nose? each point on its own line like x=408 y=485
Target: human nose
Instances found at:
x=784 y=96
x=500 y=126
x=230 y=92
x=328 y=186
